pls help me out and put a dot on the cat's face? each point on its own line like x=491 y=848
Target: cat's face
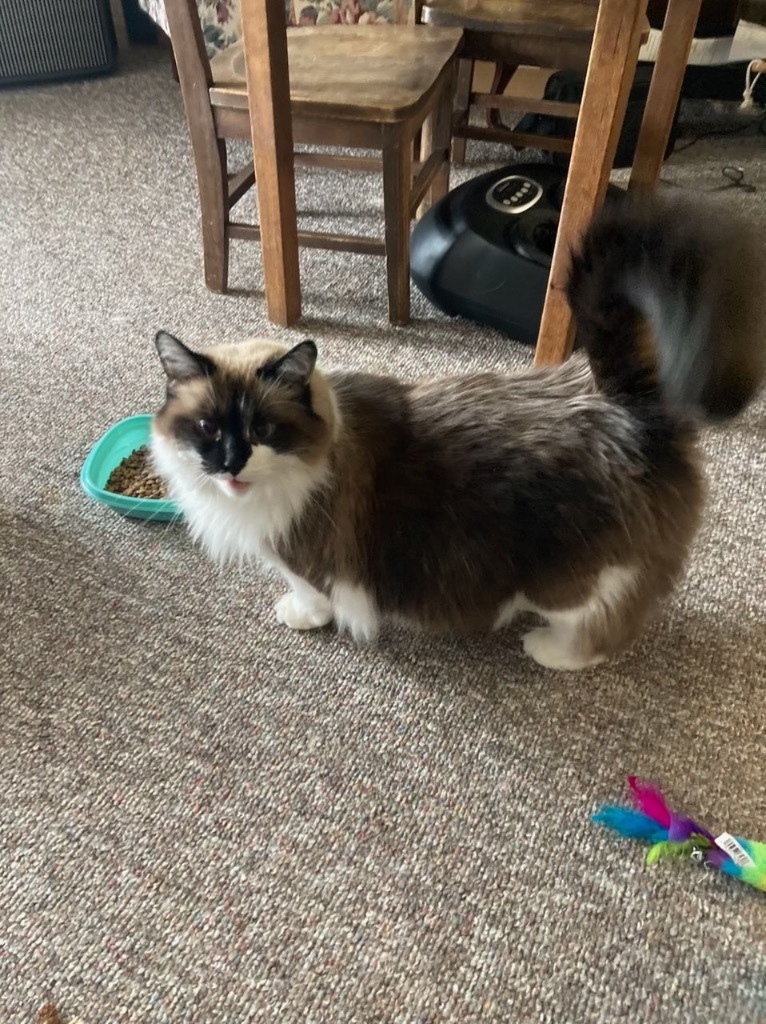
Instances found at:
x=238 y=414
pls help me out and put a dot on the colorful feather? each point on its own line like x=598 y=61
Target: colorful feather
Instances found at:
x=676 y=836
x=650 y=801
x=630 y=823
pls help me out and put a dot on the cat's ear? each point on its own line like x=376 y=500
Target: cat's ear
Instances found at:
x=178 y=361
x=295 y=367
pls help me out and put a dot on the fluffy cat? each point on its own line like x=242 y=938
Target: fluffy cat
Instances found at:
x=572 y=491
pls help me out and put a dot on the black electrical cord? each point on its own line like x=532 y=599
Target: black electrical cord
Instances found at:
x=757 y=122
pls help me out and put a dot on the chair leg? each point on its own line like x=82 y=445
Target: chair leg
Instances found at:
x=462 y=106
x=209 y=151
x=436 y=134
x=610 y=75
x=500 y=82
x=212 y=185
x=213 y=198
x=268 y=86
x=664 y=91
x=397 y=178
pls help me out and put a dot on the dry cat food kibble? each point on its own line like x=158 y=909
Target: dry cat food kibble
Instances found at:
x=48 y=1014
x=135 y=478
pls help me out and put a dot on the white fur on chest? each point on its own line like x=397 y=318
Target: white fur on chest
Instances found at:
x=237 y=527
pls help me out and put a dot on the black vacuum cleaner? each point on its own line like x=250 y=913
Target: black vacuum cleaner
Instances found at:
x=484 y=251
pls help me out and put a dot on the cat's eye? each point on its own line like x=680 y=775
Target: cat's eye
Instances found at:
x=210 y=430
x=261 y=432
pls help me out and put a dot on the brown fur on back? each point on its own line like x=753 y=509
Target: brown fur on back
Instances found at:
x=448 y=497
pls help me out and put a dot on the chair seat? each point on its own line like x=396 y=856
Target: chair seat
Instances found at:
x=380 y=73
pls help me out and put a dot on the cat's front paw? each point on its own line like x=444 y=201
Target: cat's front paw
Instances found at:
x=296 y=613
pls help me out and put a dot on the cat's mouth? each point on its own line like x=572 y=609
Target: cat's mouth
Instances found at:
x=231 y=485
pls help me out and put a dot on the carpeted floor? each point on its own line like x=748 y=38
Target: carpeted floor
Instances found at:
x=205 y=818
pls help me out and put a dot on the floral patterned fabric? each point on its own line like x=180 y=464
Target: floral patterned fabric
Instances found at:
x=221 y=24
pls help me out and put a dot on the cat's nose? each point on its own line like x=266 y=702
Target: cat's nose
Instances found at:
x=234 y=458
x=233 y=465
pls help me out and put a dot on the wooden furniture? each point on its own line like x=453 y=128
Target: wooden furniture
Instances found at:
x=543 y=33
x=616 y=37
x=356 y=87
x=603 y=39
x=510 y=34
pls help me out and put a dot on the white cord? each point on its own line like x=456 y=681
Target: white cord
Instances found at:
x=747 y=96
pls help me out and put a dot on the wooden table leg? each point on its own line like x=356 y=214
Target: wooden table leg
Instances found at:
x=264 y=34
x=676 y=42
x=462 y=106
x=611 y=70
x=397 y=184
x=436 y=137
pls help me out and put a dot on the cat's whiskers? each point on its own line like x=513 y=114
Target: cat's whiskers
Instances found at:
x=152 y=517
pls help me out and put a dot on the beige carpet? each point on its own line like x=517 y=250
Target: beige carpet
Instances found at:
x=204 y=818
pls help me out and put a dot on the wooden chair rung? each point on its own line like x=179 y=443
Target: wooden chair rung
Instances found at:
x=527 y=105
x=424 y=177
x=315 y=239
x=521 y=140
x=240 y=182
x=336 y=161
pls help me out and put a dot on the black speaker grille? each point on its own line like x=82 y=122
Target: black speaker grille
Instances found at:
x=45 y=39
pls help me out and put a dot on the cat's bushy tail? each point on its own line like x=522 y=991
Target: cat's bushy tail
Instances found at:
x=668 y=297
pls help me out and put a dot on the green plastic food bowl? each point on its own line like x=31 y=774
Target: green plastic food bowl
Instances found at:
x=106 y=454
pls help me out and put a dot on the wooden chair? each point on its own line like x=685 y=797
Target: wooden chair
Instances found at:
x=356 y=87
x=601 y=38
x=511 y=34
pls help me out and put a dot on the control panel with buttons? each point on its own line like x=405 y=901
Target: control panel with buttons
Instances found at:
x=514 y=194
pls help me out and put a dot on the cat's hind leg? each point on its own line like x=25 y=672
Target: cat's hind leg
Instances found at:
x=302 y=607
x=581 y=637
x=560 y=645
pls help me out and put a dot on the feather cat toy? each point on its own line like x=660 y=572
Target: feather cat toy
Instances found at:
x=676 y=836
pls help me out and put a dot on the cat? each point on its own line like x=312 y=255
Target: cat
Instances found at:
x=573 y=491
